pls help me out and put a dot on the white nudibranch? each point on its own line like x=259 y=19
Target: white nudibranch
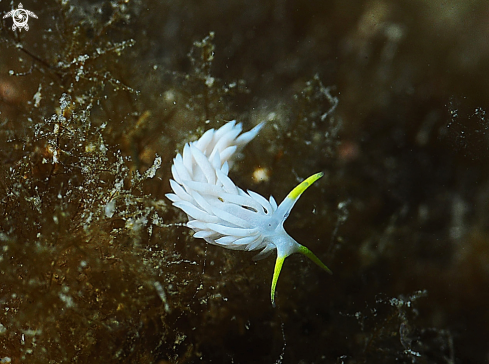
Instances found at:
x=222 y=213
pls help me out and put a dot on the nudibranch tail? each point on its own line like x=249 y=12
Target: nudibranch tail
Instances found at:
x=289 y=202
x=301 y=187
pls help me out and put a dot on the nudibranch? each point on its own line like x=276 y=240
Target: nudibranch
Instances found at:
x=222 y=213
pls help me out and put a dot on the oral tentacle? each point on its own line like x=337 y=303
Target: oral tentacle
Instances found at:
x=279 y=262
x=308 y=253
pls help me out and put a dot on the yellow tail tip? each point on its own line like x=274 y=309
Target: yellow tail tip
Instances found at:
x=301 y=187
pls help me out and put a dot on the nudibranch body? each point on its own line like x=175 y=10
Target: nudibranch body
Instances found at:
x=222 y=213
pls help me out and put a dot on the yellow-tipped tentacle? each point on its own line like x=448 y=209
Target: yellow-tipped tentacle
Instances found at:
x=276 y=272
x=284 y=209
x=301 y=187
x=305 y=251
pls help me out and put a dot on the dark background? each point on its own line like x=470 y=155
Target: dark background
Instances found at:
x=96 y=89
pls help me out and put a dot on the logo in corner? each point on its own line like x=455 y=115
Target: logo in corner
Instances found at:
x=20 y=17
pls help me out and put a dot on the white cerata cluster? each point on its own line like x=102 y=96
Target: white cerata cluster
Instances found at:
x=222 y=213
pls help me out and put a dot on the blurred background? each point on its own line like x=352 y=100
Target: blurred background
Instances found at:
x=387 y=98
